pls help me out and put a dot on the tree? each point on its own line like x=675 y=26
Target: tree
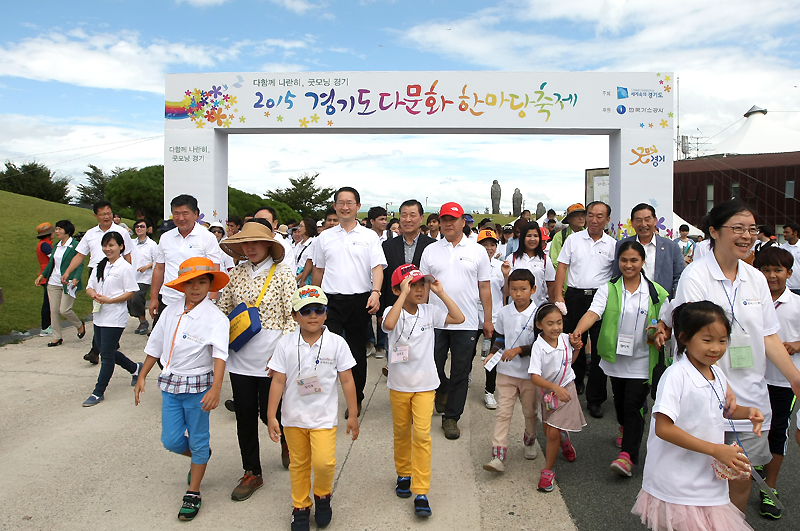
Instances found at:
x=36 y=180
x=241 y=203
x=304 y=195
x=95 y=189
x=134 y=189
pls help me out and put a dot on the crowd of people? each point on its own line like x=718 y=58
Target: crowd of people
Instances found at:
x=708 y=328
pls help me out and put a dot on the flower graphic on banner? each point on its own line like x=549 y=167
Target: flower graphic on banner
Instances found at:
x=627 y=229
x=660 y=224
x=303 y=122
x=670 y=234
x=199 y=104
x=216 y=91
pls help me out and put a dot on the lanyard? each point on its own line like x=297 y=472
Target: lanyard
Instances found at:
x=402 y=326
x=638 y=311
x=174 y=335
x=566 y=357
x=777 y=304
x=523 y=329
x=319 y=349
x=732 y=303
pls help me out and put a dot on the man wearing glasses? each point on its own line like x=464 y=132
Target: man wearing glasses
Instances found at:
x=348 y=266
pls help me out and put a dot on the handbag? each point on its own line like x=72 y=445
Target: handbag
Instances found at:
x=658 y=372
x=245 y=321
x=550 y=398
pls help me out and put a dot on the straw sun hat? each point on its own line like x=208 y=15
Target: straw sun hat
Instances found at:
x=197 y=267
x=252 y=232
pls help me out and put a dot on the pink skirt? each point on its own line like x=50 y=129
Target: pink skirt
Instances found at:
x=664 y=516
x=568 y=416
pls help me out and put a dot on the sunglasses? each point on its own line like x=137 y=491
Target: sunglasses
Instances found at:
x=319 y=310
x=140 y=226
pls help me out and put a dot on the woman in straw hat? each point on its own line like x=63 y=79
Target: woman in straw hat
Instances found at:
x=260 y=280
x=191 y=341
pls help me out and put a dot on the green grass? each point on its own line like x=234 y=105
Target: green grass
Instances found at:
x=18 y=264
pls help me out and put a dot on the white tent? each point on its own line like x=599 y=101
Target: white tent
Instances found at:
x=759 y=134
x=677 y=221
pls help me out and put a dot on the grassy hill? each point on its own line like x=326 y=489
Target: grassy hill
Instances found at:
x=18 y=264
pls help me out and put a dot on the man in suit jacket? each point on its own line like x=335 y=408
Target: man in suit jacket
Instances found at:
x=404 y=250
x=664 y=263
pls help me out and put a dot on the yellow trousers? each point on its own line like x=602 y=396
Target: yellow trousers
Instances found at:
x=411 y=413
x=310 y=449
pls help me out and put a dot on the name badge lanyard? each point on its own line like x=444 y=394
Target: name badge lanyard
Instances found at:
x=732 y=304
x=403 y=325
x=522 y=331
x=764 y=487
x=638 y=311
x=316 y=361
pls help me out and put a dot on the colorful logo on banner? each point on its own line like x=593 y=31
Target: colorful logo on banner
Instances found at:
x=646 y=155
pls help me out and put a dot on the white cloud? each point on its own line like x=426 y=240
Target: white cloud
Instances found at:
x=202 y=3
x=295 y=6
x=282 y=67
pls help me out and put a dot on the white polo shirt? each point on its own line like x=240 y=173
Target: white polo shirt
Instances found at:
x=496 y=284
x=418 y=374
x=749 y=299
x=348 y=259
x=590 y=261
x=701 y=249
x=302 y=252
x=794 y=281
x=90 y=245
x=58 y=254
x=650 y=257
x=518 y=329
x=459 y=268
x=118 y=279
x=144 y=252
x=543 y=271
x=174 y=249
x=552 y=364
x=671 y=473
x=202 y=335
x=632 y=320
x=288 y=257
x=788 y=309
x=325 y=359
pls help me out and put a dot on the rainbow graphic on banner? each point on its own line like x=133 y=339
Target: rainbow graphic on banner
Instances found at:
x=175 y=110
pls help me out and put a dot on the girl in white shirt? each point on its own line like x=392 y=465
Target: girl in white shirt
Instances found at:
x=111 y=286
x=530 y=255
x=307 y=230
x=683 y=486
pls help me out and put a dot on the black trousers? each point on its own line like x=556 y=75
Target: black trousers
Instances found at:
x=578 y=302
x=348 y=317
x=461 y=345
x=491 y=376
x=251 y=396
x=630 y=396
x=46 y=309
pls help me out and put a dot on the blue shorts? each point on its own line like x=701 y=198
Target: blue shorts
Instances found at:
x=181 y=413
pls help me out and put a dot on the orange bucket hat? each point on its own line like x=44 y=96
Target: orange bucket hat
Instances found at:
x=197 y=267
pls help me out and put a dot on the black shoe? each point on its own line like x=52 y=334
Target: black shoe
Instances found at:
x=322 y=511
x=768 y=508
x=440 y=402
x=81 y=334
x=92 y=357
x=230 y=406
x=580 y=387
x=421 y=506
x=190 y=507
x=403 y=488
x=300 y=519
x=595 y=410
x=55 y=343
x=347 y=412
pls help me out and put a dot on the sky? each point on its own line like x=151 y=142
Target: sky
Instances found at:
x=83 y=82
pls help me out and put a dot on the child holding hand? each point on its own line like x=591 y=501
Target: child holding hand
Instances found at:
x=305 y=367
x=413 y=378
x=552 y=356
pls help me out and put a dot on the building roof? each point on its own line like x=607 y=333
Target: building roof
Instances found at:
x=737 y=162
x=759 y=134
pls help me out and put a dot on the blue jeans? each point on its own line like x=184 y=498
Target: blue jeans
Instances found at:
x=182 y=413
x=381 y=343
x=108 y=339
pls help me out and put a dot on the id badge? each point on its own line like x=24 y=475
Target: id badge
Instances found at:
x=96 y=307
x=625 y=345
x=399 y=354
x=493 y=361
x=309 y=386
x=740 y=352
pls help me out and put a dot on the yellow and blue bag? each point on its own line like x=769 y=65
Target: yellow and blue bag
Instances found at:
x=245 y=321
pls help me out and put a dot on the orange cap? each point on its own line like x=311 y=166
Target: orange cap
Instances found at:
x=486 y=233
x=577 y=207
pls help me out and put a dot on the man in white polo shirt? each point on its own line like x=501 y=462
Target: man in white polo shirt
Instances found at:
x=463 y=268
x=589 y=256
x=348 y=266
x=187 y=240
x=91 y=245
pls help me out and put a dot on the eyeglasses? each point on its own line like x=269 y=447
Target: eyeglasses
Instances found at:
x=738 y=229
x=218 y=231
x=140 y=226
x=346 y=203
x=319 y=310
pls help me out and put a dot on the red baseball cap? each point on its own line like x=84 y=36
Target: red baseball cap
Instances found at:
x=407 y=270
x=544 y=233
x=451 y=209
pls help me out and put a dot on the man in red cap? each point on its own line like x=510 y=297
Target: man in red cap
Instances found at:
x=463 y=268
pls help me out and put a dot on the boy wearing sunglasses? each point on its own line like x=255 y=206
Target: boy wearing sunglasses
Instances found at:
x=305 y=367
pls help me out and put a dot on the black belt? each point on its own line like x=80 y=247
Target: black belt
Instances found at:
x=344 y=297
x=588 y=292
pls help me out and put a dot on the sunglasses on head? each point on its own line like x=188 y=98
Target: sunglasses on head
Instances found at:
x=319 y=310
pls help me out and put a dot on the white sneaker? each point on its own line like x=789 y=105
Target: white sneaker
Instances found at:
x=46 y=332
x=370 y=349
x=495 y=465
x=529 y=451
x=380 y=354
x=489 y=401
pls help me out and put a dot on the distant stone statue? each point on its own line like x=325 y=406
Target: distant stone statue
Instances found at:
x=516 y=202
x=496 y=197
x=540 y=210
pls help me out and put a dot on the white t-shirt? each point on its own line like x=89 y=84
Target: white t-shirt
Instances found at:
x=518 y=329
x=118 y=279
x=348 y=259
x=174 y=249
x=286 y=243
x=459 y=268
x=298 y=360
x=752 y=305
x=144 y=253
x=543 y=271
x=649 y=266
x=793 y=282
x=58 y=253
x=701 y=249
x=552 y=364
x=671 y=473
x=788 y=309
x=418 y=374
x=589 y=261
x=91 y=244
x=632 y=320
x=202 y=335
x=496 y=284
x=302 y=252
